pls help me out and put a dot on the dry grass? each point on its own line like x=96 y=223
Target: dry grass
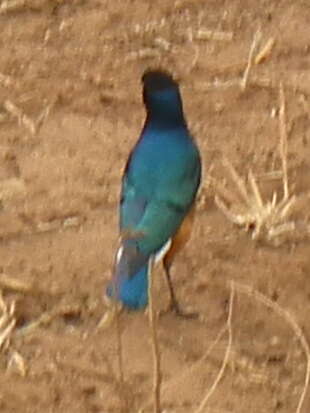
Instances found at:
x=253 y=48
x=21 y=117
x=266 y=219
x=207 y=34
x=47 y=317
x=11 y=189
x=8 y=6
x=271 y=219
x=210 y=391
x=12 y=284
x=17 y=363
x=258 y=298
x=153 y=316
x=288 y=318
x=7 y=322
x=265 y=51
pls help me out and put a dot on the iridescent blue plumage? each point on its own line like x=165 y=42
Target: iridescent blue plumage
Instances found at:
x=159 y=186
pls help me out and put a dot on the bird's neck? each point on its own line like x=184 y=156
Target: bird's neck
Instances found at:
x=164 y=110
x=158 y=121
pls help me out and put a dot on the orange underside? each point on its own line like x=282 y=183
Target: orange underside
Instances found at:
x=180 y=238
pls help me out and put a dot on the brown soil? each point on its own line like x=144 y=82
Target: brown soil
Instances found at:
x=77 y=64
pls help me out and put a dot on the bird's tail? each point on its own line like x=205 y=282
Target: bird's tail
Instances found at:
x=129 y=284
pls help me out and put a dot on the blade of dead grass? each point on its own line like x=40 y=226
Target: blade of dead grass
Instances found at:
x=283 y=139
x=7 y=321
x=47 y=317
x=265 y=51
x=157 y=378
x=10 y=283
x=236 y=287
x=174 y=380
x=255 y=42
x=250 y=292
x=22 y=118
x=212 y=389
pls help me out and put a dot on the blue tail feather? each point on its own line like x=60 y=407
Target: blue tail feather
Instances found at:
x=131 y=291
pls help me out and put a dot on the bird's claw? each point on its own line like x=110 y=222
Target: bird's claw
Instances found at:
x=175 y=308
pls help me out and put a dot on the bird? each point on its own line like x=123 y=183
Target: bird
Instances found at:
x=159 y=187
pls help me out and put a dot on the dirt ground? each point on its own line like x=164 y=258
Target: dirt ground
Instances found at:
x=70 y=110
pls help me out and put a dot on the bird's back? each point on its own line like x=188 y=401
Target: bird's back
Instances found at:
x=162 y=161
x=161 y=178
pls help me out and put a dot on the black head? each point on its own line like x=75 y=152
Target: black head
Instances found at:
x=161 y=96
x=156 y=80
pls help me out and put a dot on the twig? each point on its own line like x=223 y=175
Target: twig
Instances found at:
x=7 y=321
x=162 y=43
x=155 y=347
x=109 y=316
x=17 y=362
x=11 y=5
x=256 y=39
x=265 y=51
x=114 y=313
x=205 y=34
x=197 y=363
x=227 y=352
x=58 y=223
x=119 y=346
x=7 y=282
x=283 y=139
x=146 y=53
x=195 y=58
x=191 y=370
x=47 y=318
x=256 y=192
x=22 y=118
x=13 y=284
x=6 y=332
x=44 y=115
x=239 y=182
x=290 y=320
x=269 y=176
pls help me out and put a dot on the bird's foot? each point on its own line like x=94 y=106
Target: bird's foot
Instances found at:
x=175 y=308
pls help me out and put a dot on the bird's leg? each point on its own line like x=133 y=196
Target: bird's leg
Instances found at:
x=174 y=305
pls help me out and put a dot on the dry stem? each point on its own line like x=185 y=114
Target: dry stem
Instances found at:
x=120 y=361
x=22 y=118
x=10 y=283
x=290 y=320
x=283 y=139
x=47 y=317
x=270 y=217
x=227 y=353
x=256 y=39
x=155 y=347
x=7 y=321
x=265 y=51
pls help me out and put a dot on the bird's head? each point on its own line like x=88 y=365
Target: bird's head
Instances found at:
x=161 y=95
